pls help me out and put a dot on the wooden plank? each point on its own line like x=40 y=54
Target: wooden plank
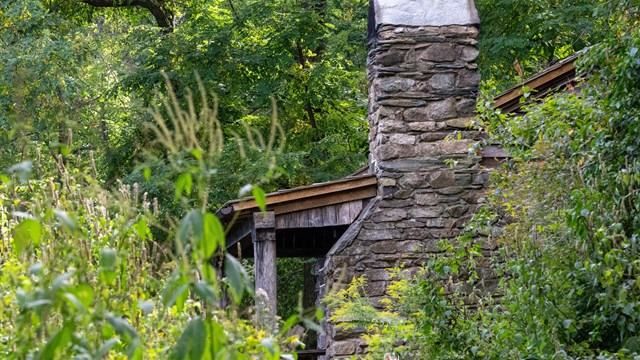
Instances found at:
x=315 y=217
x=264 y=254
x=355 y=207
x=240 y=231
x=329 y=215
x=331 y=199
x=309 y=191
x=343 y=214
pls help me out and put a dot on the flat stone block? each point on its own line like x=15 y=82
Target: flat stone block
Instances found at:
x=442 y=179
x=426 y=199
x=461 y=123
x=442 y=110
x=378 y=275
x=443 y=147
x=386 y=182
x=443 y=52
x=442 y=81
x=469 y=53
x=425 y=212
x=385 y=215
x=394 y=84
x=390 y=58
x=468 y=78
x=451 y=190
x=387 y=126
x=402 y=102
x=380 y=234
x=412 y=181
x=384 y=247
x=402 y=139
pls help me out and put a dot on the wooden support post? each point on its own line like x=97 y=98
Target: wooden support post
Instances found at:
x=263 y=234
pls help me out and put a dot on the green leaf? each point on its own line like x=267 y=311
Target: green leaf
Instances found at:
x=66 y=221
x=191 y=224
x=108 y=259
x=58 y=341
x=38 y=303
x=142 y=228
x=205 y=292
x=73 y=300
x=192 y=342
x=183 y=183
x=236 y=277
x=260 y=197
x=28 y=232
x=290 y=323
x=103 y=351
x=122 y=327
x=146 y=173
x=213 y=237
x=84 y=293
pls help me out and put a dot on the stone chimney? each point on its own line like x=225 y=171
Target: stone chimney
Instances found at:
x=422 y=94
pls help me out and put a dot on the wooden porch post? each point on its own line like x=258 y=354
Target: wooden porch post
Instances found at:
x=263 y=235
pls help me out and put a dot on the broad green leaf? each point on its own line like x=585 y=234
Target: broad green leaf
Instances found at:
x=192 y=342
x=38 y=303
x=191 y=225
x=236 y=277
x=28 y=232
x=184 y=183
x=213 y=235
x=261 y=198
x=142 y=228
x=74 y=301
x=205 y=292
x=57 y=342
x=290 y=323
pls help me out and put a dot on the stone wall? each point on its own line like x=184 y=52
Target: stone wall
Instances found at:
x=423 y=88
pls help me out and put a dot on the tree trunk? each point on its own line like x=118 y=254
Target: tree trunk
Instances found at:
x=159 y=9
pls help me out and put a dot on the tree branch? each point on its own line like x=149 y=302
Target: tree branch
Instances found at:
x=162 y=14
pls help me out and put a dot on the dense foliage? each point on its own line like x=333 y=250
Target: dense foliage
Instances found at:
x=106 y=206
x=565 y=212
x=83 y=277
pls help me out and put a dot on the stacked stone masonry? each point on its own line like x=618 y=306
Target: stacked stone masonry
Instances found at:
x=423 y=88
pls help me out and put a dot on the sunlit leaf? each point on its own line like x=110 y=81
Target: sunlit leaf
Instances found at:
x=27 y=233
x=184 y=183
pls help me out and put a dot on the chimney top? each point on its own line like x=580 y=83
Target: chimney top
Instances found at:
x=425 y=12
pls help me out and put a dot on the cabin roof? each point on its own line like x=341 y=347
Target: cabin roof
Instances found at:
x=552 y=79
x=354 y=187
